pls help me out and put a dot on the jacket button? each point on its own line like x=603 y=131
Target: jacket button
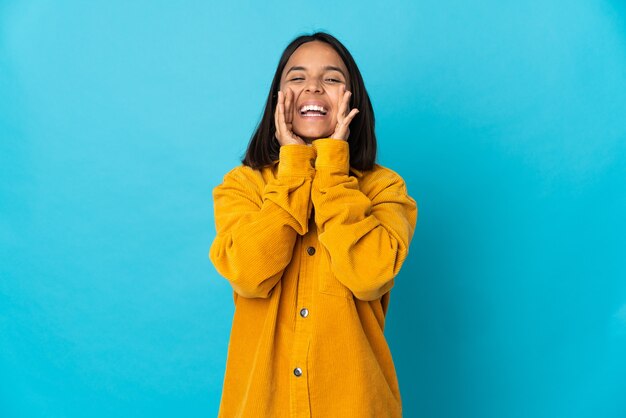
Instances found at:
x=310 y=250
x=304 y=312
x=297 y=371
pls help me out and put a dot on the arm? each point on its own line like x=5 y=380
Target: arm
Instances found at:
x=367 y=236
x=257 y=224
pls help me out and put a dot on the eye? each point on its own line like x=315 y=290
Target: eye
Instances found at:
x=297 y=78
x=334 y=80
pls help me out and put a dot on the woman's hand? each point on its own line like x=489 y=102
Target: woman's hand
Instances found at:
x=283 y=123
x=342 y=131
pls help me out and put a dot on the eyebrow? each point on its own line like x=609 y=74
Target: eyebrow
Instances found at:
x=326 y=68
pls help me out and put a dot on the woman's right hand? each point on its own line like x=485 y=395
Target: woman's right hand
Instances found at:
x=283 y=120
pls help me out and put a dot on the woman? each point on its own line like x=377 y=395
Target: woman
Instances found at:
x=311 y=232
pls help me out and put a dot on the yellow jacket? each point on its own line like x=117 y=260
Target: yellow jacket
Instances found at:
x=311 y=292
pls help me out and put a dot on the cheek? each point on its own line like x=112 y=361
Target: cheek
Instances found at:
x=336 y=98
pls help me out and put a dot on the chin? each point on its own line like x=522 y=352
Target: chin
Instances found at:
x=311 y=134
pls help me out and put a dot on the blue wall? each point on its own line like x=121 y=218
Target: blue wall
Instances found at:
x=505 y=118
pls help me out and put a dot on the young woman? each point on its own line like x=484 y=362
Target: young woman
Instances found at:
x=311 y=232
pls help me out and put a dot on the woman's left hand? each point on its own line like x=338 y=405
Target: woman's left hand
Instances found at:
x=342 y=130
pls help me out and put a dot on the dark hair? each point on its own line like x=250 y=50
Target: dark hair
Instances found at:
x=263 y=149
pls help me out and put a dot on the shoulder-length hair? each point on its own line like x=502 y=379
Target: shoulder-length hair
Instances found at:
x=263 y=149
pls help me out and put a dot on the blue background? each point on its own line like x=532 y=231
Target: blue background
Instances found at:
x=506 y=119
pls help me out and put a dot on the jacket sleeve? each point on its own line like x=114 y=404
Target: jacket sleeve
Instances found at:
x=366 y=235
x=257 y=223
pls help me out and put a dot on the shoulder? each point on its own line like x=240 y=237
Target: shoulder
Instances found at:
x=386 y=171
x=382 y=184
x=244 y=173
x=381 y=177
x=247 y=178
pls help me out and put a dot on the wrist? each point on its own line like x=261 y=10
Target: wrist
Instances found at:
x=332 y=154
x=296 y=160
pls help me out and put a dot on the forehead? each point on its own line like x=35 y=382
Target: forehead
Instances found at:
x=315 y=55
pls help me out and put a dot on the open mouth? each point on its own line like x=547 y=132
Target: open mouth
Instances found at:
x=313 y=111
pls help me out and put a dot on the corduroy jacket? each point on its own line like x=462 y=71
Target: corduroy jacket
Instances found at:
x=311 y=248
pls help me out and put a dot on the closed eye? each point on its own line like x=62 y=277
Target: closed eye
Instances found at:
x=334 y=80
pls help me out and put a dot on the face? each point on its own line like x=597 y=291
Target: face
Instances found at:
x=315 y=74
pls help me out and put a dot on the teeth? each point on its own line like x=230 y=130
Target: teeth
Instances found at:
x=312 y=107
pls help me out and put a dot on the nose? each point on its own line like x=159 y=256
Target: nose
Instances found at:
x=313 y=85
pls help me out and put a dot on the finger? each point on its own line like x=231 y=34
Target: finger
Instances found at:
x=344 y=105
x=350 y=116
x=346 y=102
x=284 y=131
x=276 y=113
x=342 y=130
x=288 y=112
x=340 y=102
x=281 y=118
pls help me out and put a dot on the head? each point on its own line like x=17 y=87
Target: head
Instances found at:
x=314 y=67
